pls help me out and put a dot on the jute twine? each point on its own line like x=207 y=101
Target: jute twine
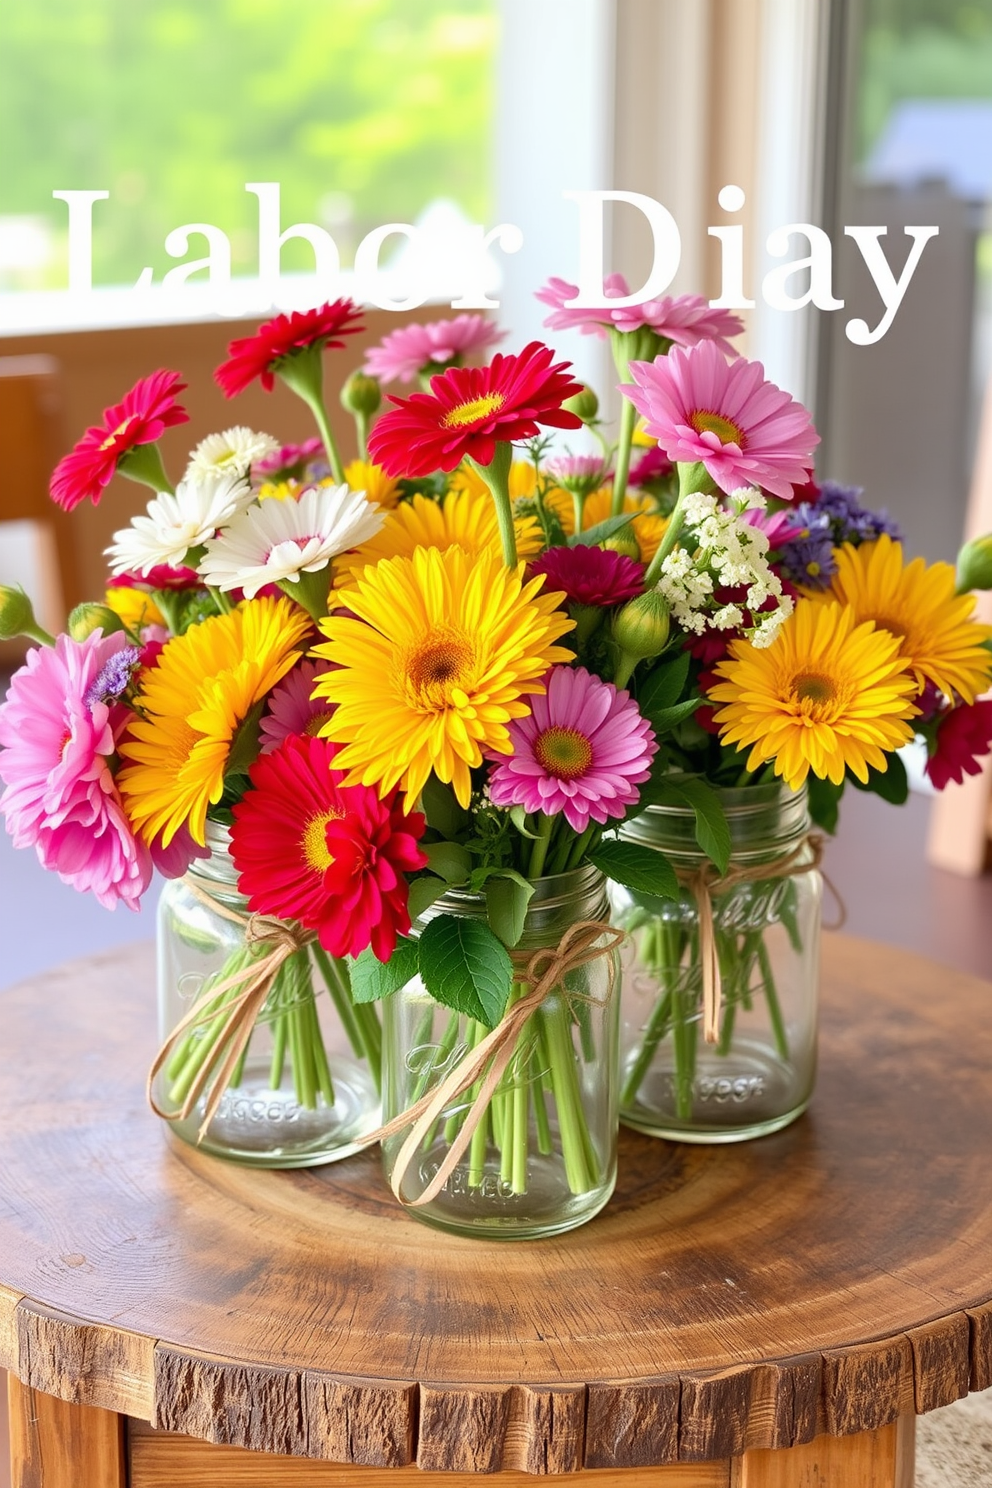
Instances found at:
x=251 y=985
x=705 y=884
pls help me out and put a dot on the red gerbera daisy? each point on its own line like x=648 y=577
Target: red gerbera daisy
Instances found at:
x=331 y=856
x=282 y=337
x=140 y=418
x=590 y=576
x=470 y=409
x=964 y=737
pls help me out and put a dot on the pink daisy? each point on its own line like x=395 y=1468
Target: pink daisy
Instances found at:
x=684 y=319
x=745 y=430
x=290 y=462
x=291 y=709
x=411 y=349
x=57 y=733
x=583 y=750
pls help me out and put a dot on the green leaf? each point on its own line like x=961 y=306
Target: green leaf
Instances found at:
x=507 y=897
x=640 y=868
x=244 y=746
x=441 y=809
x=466 y=968
x=448 y=860
x=518 y=816
x=824 y=802
x=891 y=784
x=423 y=892
x=600 y=532
x=372 y=979
x=664 y=719
x=712 y=831
x=664 y=685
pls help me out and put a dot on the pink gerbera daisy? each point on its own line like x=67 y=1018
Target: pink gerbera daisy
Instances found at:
x=684 y=319
x=334 y=857
x=411 y=349
x=57 y=735
x=745 y=430
x=282 y=337
x=141 y=417
x=470 y=409
x=291 y=709
x=583 y=750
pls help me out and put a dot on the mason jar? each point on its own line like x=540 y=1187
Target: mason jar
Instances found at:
x=306 y=1088
x=757 y=1073
x=542 y=1157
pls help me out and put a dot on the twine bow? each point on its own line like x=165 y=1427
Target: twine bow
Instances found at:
x=251 y=984
x=704 y=883
x=585 y=941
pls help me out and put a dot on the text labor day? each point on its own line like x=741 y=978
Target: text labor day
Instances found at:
x=371 y=286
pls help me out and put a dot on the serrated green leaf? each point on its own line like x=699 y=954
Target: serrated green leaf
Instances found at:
x=664 y=685
x=600 y=532
x=891 y=784
x=712 y=831
x=663 y=719
x=372 y=979
x=423 y=893
x=465 y=967
x=449 y=860
x=507 y=897
x=637 y=867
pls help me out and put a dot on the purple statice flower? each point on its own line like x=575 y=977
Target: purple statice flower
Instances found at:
x=590 y=576
x=849 y=520
x=114 y=676
x=583 y=750
x=807 y=558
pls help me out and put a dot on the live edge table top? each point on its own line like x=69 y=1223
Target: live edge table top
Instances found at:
x=829 y=1277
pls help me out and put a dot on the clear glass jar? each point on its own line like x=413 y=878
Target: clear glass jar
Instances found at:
x=759 y=1075
x=306 y=1090
x=543 y=1157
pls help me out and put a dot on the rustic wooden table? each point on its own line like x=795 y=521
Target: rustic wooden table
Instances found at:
x=770 y=1315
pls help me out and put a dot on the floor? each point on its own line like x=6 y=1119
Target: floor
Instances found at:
x=878 y=868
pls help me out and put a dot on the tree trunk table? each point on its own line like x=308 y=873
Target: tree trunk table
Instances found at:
x=769 y=1315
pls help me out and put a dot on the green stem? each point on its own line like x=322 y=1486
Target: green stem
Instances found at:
x=653 y=1035
x=692 y=478
x=628 y=418
x=278 y=1065
x=771 y=997
x=319 y=412
x=355 y=1021
x=571 y=1118
x=539 y=850
x=578 y=505
x=497 y=477
x=220 y=599
x=36 y=632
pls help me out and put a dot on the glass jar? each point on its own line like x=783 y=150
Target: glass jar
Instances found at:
x=542 y=1159
x=305 y=1090
x=758 y=1075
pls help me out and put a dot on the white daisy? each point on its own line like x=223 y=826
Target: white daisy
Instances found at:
x=174 y=524
x=278 y=540
x=236 y=449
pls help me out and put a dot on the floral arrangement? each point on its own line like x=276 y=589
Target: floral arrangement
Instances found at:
x=464 y=660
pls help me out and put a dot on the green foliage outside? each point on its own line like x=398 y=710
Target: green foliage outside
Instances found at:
x=363 y=110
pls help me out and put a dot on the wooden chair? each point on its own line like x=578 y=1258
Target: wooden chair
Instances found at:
x=31 y=440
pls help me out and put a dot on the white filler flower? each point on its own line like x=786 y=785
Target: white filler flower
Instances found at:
x=174 y=524
x=234 y=450
x=279 y=540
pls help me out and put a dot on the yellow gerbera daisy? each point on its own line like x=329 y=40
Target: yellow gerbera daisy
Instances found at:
x=463 y=517
x=648 y=524
x=379 y=487
x=939 y=640
x=439 y=652
x=828 y=694
x=191 y=704
x=134 y=607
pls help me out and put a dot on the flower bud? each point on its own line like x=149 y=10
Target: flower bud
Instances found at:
x=640 y=629
x=361 y=395
x=584 y=405
x=624 y=541
x=86 y=618
x=16 y=614
x=975 y=564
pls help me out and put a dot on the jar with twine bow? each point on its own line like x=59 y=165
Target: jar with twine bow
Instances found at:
x=511 y=1132
x=256 y=1063
x=720 y=986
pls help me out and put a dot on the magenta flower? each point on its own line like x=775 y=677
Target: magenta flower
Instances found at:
x=404 y=353
x=684 y=319
x=583 y=750
x=290 y=461
x=745 y=430
x=654 y=464
x=57 y=733
x=291 y=709
x=591 y=576
x=583 y=473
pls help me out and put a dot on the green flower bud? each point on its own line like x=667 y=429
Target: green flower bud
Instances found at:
x=975 y=564
x=361 y=394
x=640 y=629
x=584 y=405
x=86 y=618
x=624 y=541
x=16 y=614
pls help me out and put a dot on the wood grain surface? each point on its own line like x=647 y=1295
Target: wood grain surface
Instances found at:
x=831 y=1277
